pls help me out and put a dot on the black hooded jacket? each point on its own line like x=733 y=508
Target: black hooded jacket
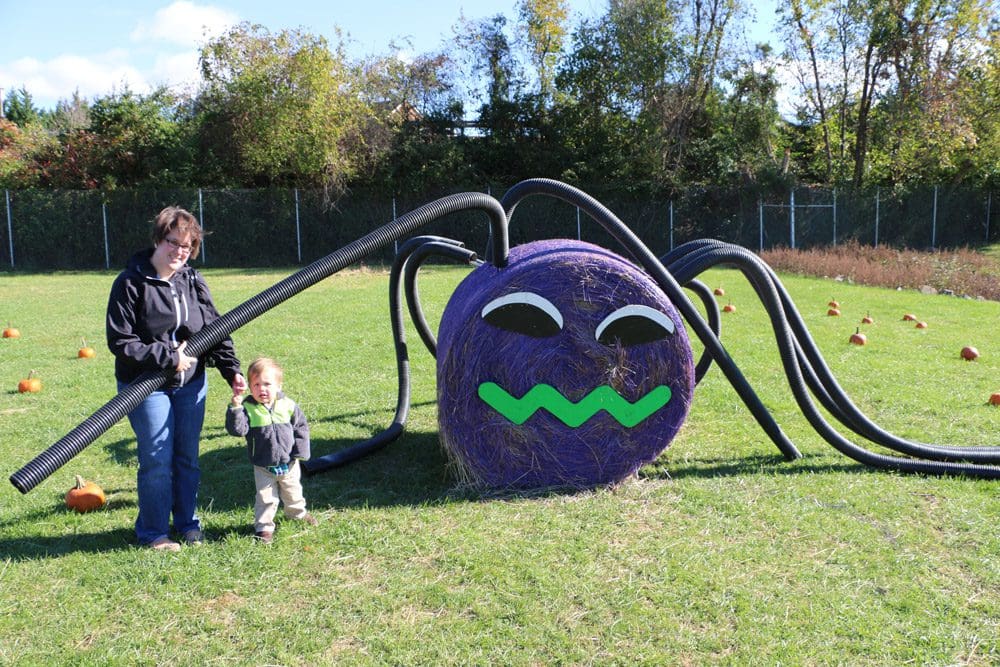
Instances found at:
x=148 y=317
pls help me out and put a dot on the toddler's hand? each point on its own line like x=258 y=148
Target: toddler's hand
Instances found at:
x=239 y=384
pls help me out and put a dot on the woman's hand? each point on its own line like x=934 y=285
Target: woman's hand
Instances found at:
x=184 y=362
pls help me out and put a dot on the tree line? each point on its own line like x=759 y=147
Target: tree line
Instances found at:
x=648 y=95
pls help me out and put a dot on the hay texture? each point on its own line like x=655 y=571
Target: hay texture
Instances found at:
x=586 y=284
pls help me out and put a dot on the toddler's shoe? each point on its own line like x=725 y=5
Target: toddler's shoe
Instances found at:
x=265 y=536
x=310 y=519
x=194 y=537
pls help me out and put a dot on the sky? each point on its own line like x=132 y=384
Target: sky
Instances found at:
x=56 y=47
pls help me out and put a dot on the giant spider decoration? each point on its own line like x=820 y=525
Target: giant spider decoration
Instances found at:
x=561 y=363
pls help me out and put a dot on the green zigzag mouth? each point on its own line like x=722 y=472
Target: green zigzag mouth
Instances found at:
x=518 y=410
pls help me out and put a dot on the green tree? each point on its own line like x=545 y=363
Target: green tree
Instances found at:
x=610 y=81
x=19 y=108
x=424 y=119
x=890 y=86
x=140 y=140
x=283 y=109
x=545 y=27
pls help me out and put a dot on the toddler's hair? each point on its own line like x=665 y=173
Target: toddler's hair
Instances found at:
x=260 y=364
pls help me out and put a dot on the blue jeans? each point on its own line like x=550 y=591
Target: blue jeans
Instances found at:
x=167 y=426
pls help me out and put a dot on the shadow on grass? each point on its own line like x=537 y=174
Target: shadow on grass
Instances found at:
x=771 y=464
x=412 y=471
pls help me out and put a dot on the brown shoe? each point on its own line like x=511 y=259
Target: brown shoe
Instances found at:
x=164 y=544
x=265 y=536
x=310 y=519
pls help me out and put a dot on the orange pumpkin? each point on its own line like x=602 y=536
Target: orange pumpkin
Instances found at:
x=858 y=338
x=11 y=332
x=30 y=384
x=85 y=352
x=995 y=398
x=85 y=496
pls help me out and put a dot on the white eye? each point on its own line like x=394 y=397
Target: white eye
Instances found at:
x=632 y=325
x=524 y=312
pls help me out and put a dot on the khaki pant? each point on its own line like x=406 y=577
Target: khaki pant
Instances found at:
x=270 y=489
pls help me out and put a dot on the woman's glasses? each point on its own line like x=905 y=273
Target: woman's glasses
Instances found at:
x=183 y=247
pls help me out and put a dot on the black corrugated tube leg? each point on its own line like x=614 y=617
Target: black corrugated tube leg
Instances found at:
x=817 y=374
x=795 y=360
x=714 y=322
x=58 y=454
x=412 y=293
x=667 y=283
x=414 y=250
x=819 y=378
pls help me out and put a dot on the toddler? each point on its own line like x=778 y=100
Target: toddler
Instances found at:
x=277 y=438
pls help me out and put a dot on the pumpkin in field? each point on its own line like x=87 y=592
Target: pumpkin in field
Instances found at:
x=30 y=384
x=85 y=351
x=85 y=496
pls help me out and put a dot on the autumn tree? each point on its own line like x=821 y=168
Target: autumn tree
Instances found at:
x=888 y=84
x=545 y=28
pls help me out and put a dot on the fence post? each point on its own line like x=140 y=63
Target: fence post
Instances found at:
x=989 y=202
x=671 y=224
x=877 y=192
x=298 y=232
x=760 y=225
x=107 y=252
x=934 y=221
x=835 y=217
x=201 y=217
x=10 y=228
x=791 y=219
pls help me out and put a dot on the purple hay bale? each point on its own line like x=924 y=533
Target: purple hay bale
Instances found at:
x=586 y=284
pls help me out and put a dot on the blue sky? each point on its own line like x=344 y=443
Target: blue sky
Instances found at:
x=54 y=47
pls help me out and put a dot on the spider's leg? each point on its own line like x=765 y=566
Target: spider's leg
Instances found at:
x=417 y=247
x=803 y=365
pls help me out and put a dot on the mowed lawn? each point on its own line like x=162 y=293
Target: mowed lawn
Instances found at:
x=721 y=552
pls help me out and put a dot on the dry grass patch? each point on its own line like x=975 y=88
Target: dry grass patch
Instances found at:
x=963 y=271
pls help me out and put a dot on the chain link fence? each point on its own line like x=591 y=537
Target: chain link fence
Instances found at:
x=46 y=230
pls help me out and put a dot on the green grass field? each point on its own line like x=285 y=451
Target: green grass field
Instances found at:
x=719 y=553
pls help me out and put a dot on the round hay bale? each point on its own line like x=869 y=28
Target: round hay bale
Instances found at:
x=568 y=367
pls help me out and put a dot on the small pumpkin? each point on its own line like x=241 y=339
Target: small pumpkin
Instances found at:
x=85 y=496
x=30 y=384
x=85 y=351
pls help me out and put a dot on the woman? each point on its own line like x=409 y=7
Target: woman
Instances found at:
x=155 y=305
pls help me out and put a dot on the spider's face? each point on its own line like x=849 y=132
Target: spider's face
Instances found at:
x=568 y=367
